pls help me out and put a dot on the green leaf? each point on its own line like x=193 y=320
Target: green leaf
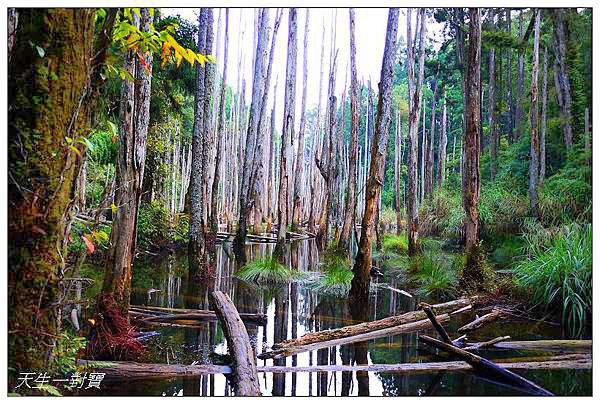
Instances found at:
x=40 y=51
x=113 y=208
x=101 y=12
x=75 y=150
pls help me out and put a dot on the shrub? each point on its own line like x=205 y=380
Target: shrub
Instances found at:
x=267 y=270
x=153 y=226
x=436 y=276
x=387 y=217
x=558 y=273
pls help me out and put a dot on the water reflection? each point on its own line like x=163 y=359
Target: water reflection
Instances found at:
x=293 y=310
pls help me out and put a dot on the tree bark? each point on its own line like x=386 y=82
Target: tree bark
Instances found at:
x=563 y=78
x=492 y=109
x=412 y=221
x=534 y=152
x=520 y=84
x=42 y=170
x=362 y=266
x=471 y=174
x=289 y=113
x=214 y=218
x=442 y=147
x=350 y=207
x=299 y=169
x=129 y=173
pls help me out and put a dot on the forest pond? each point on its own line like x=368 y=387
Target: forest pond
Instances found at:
x=294 y=309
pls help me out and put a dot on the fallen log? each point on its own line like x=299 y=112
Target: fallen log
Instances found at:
x=193 y=314
x=547 y=345
x=481 y=345
x=244 y=363
x=481 y=321
x=384 y=332
x=486 y=366
x=138 y=371
x=362 y=328
x=438 y=327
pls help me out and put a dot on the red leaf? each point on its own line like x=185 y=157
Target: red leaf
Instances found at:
x=90 y=246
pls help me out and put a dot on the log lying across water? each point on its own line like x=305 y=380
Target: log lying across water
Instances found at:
x=351 y=330
x=244 y=363
x=566 y=345
x=162 y=314
x=481 y=321
x=138 y=371
x=384 y=332
x=486 y=366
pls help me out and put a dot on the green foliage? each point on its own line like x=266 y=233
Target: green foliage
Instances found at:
x=105 y=147
x=65 y=352
x=395 y=244
x=556 y=272
x=567 y=195
x=437 y=275
x=268 y=270
x=153 y=224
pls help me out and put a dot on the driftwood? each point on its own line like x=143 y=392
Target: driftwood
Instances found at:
x=362 y=328
x=385 y=332
x=547 y=345
x=481 y=321
x=137 y=371
x=238 y=342
x=486 y=366
x=438 y=327
x=481 y=345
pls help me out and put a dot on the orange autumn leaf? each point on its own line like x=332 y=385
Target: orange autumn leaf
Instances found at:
x=90 y=246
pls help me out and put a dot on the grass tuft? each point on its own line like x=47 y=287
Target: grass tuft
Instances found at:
x=268 y=270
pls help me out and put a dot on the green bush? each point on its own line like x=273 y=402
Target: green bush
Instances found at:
x=153 y=226
x=436 y=276
x=268 y=270
x=557 y=273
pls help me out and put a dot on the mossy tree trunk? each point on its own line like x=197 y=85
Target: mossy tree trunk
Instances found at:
x=48 y=87
x=362 y=263
x=534 y=154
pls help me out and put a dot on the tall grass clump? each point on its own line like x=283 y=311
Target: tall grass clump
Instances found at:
x=556 y=272
x=436 y=276
x=393 y=244
x=267 y=270
x=337 y=275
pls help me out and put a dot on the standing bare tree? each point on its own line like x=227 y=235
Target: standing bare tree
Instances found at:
x=299 y=170
x=543 y=121
x=492 y=107
x=442 y=147
x=414 y=111
x=398 y=171
x=344 y=242
x=471 y=175
x=289 y=113
x=564 y=85
x=535 y=142
x=362 y=265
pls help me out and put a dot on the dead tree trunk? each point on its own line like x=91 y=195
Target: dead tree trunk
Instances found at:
x=214 y=219
x=543 y=121
x=442 y=147
x=299 y=170
x=344 y=242
x=362 y=266
x=398 y=171
x=534 y=153
x=289 y=113
x=472 y=271
x=564 y=86
x=492 y=109
x=412 y=220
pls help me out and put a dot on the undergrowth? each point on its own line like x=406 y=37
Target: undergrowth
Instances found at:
x=268 y=270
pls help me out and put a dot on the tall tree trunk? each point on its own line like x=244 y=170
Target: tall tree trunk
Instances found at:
x=197 y=245
x=563 y=78
x=398 y=171
x=535 y=142
x=344 y=242
x=249 y=159
x=472 y=271
x=134 y=120
x=511 y=101
x=492 y=109
x=209 y=79
x=362 y=265
x=442 y=147
x=289 y=113
x=299 y=170
x=412 y=221
x=214 y=218
x=520 y=84
x=543 y=121
x=430 y=159
x=42 y=170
